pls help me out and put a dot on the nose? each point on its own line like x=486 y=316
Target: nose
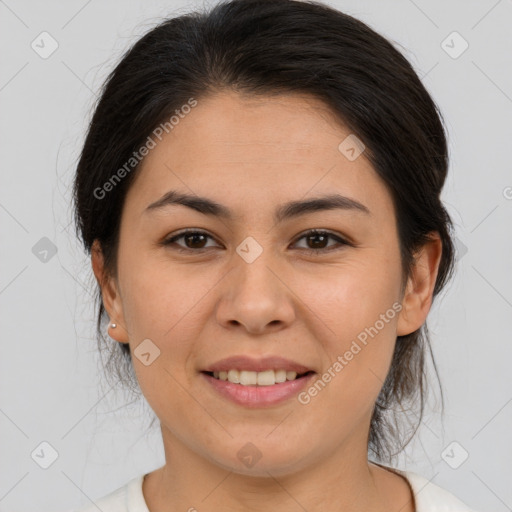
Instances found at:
x=255 y=296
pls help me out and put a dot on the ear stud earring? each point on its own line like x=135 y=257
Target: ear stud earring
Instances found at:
x=113 y=326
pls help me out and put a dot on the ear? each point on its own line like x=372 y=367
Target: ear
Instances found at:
x=110 y=295
x=417 y=298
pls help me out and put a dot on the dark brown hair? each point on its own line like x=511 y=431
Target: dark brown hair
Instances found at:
x=272 y=47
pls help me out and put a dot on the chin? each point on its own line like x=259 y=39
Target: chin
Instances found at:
x=262 y=462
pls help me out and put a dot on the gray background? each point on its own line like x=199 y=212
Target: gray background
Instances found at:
x=51 y=387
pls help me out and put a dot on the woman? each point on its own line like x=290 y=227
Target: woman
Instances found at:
x=259 y=191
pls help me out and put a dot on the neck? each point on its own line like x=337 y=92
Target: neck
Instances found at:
x=341 y=480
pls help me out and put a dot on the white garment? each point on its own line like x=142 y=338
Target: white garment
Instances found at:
x=428 y=496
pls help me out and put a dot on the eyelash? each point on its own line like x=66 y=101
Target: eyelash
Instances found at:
x=314 y=252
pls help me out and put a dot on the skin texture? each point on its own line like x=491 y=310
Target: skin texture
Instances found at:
x=252 y=154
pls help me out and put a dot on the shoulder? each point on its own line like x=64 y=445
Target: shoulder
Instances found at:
x=432 y=498
x=127 y=498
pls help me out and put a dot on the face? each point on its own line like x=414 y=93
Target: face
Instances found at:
x=255 y=284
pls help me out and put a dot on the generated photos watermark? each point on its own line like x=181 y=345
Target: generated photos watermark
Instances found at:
x=343 y=360
x=137 y=156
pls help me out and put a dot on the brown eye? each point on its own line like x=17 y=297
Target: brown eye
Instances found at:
x=317 y=241
x=194 y=240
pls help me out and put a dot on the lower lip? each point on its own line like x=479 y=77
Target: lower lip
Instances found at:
x=258 y=396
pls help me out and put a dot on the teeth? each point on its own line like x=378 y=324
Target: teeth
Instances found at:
x=246 y=378
x=233 y=376
x=280 y=376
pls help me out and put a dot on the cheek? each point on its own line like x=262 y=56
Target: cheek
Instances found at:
x=165 y=306
x=357 y=308
x=158 y=297
x=352 y=296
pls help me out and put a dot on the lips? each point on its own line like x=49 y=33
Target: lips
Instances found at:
x=246 y=363
x=257 y=396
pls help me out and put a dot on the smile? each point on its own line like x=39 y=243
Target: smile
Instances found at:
x=264 y=378
x=249 y=392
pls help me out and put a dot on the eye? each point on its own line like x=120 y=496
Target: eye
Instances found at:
x=195 y=241
x=318 y=238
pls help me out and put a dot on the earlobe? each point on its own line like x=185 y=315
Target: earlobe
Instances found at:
x=110 y=296
x=420 y=286
x=117 y=332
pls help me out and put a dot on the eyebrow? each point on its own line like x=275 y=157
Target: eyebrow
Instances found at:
x=286 y=211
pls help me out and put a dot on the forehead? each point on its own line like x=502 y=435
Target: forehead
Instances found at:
x=253 y=150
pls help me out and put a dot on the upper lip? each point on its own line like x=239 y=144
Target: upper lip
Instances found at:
x=246 y=363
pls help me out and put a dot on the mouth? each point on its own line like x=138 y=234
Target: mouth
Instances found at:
x=258 y=379
x=256 y=390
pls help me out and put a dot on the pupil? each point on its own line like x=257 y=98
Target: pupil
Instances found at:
x=317 y=236
x=194 y=236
